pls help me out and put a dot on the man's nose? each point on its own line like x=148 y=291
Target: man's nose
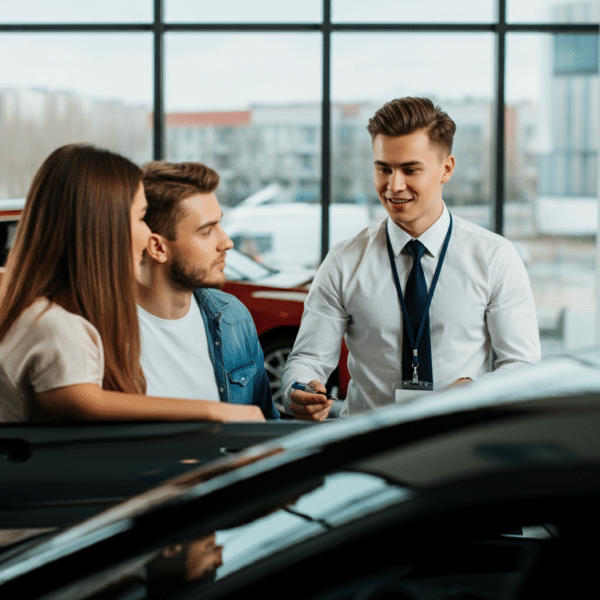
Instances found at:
x=397 y=182
x=225 y=243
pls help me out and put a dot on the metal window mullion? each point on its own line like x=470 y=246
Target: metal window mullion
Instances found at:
x=158 y=122
x=578 y=28
x=326 y=130
x=498 y=161
x=242 y=27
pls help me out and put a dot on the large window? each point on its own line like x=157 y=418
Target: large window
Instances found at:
x=276 y=96
x=62 y=87
x=377 y=64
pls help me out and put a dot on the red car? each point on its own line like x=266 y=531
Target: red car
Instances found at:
x=275 y=299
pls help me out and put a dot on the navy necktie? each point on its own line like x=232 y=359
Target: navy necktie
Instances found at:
x=415 y=297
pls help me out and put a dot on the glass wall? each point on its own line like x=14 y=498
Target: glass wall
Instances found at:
x=276 y=97
x=551 y=209
x=362 y=81
x=408 y=11
x=264 y=140
x=59 y=88
x=76 y=11
x=242 y=11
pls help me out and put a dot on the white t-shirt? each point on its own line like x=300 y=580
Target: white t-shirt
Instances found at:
x=46 y=348
x=175 y=356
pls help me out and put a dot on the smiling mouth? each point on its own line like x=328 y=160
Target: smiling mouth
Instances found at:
x=398 y=200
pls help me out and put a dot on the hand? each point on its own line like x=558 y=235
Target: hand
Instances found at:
x=461 y=381
x=311 y=407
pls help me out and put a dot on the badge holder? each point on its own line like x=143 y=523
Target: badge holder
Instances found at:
x=406 y=391
x=409 y=389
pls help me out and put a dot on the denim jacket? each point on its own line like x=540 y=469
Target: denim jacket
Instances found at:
x=235 y=351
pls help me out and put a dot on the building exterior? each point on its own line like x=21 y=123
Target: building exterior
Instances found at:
x=34 y=122
x=267 y=144
x=567 y=202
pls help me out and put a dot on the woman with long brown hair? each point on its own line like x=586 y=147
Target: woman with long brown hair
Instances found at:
x=69 y=337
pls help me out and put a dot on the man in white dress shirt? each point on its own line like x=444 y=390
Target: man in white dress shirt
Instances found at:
x=482 y=301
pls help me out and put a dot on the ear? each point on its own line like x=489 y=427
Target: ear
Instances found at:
x=448 y=168
x=157 y=248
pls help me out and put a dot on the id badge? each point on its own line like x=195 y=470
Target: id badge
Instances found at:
x=408 y=389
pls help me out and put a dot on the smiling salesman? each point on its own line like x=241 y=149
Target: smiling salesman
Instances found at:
x=197 y=341
x=422 y=298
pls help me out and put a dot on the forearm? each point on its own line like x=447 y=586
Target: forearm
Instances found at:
x=90 y=402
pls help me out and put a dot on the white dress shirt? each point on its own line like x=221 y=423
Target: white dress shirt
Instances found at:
x=482 y=301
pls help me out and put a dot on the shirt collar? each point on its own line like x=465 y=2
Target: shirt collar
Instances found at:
x=433 y=238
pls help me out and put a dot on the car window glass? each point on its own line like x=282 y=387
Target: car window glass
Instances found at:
x=8 y=230
x=241 y=267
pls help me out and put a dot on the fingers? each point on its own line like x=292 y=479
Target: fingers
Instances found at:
x=317 y=385
x=322 y=414
x=461 y=381
x=319 y=415
x=310 y=407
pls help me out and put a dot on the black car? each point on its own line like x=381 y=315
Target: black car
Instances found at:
x=55 y=474
x=483 y=492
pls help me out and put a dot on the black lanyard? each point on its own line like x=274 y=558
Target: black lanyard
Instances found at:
x=414 y=344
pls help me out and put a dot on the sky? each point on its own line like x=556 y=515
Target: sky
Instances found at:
x=225 y=71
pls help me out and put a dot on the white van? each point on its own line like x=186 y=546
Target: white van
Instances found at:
x=288 y=234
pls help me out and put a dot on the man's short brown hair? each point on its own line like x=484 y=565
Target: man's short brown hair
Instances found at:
x=407 y=115
x=166 y=185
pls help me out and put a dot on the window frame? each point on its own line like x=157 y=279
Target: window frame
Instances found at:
x=500 y=28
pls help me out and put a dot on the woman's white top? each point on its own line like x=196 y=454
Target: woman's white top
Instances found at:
x=46 y=348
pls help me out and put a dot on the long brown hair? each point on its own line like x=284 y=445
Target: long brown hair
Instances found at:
x=73 y=246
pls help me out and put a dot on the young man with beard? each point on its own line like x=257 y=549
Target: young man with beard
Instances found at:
x=197 y=341
x=462 y=290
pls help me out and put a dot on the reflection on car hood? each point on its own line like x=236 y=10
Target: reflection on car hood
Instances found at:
x=341 y=498
x=207 y=499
